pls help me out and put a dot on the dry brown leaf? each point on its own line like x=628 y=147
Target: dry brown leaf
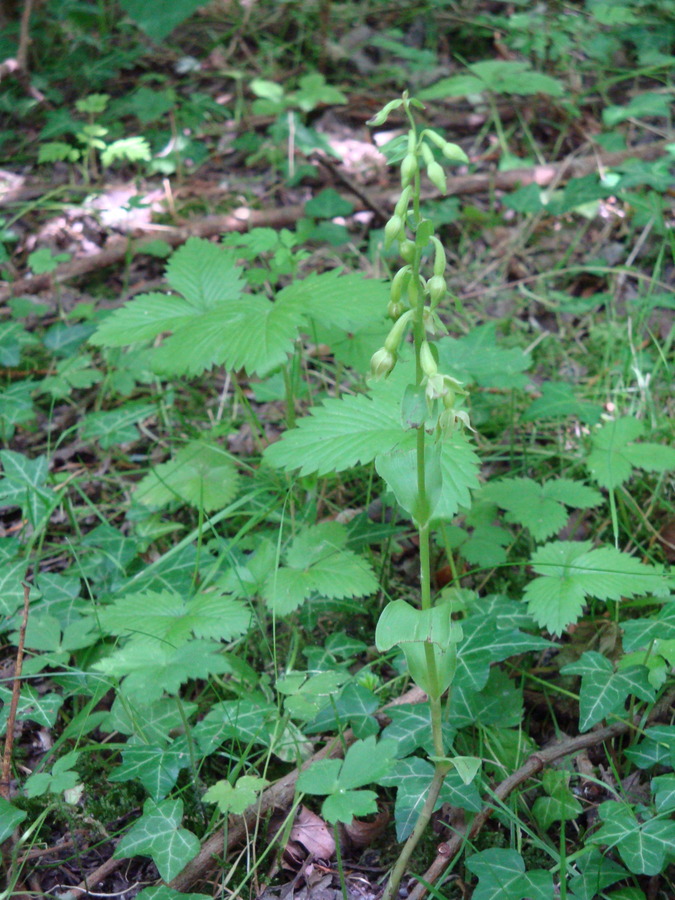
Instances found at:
x=312 y=832
x=361 y=833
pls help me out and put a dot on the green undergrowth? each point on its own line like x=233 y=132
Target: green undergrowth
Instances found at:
x=304 y=473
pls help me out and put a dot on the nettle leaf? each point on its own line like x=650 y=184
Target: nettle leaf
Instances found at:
x=644 y=847
x=502 y=876
x=158 y=834
x=149 y=669
x=478 y=358
x=167 y=618
x=317 y=562
x=236 y=798
x=615 y=453
x=604 y=691
x=201 y=474
x=571 y=571
x=540 y=507
x=156 y=767
x=340 y=434
x=365 y=762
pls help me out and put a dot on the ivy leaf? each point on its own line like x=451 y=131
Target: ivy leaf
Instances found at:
x=597 y=871
x=10 y=818
x=410 y=728
x=560 y=805
x=318 y=563
x=604 y=691
x=236 y=798
x=657 y=748
x=540 y=508
x=158 y=834
x=40 y=708
x=201 y=474
x=243 y=721
x=571 y=571
x=502 y=876
x=615 y=453
x=643 y=847
x=166 y=618
x=156 y=767
x=641 y=632
x=162 y=892
x=72 y=373
x=116 y=426
x=663 y=788
x=355 y=706
x=412 y=777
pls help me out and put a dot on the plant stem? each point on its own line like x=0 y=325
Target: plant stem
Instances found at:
x=398 y=871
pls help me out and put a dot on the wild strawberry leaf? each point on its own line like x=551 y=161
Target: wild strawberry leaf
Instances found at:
x=540 y=507
x=572 y=571
x=201 y=474
x=616 y=453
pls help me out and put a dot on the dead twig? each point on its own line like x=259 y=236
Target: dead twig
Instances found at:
x=14 y=702
x=448 y=850
x=279 y=795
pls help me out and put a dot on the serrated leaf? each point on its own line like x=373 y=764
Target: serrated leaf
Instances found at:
x=131 y=149
x=201 y=474
x=478 y=358
x=167 y=618
x=615 y=453
x=571 y=571
x=540 y=508
x=317 y=563
x=149 y=669
x=558 y=401
x=339 y=434
x=158 y=834
x=236 y=798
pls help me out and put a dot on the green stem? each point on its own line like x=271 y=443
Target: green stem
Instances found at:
x=401 y=865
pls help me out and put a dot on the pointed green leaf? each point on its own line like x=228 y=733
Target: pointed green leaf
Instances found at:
x=615 y=453
x=201 y=474
x=158 y=834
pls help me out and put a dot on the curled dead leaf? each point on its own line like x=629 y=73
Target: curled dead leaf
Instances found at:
x=312 y=832
x=360 y=833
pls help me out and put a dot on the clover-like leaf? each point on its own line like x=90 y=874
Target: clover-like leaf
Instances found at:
x=616 y=453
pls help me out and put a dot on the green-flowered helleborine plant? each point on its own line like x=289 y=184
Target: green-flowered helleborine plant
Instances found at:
x=411 y=424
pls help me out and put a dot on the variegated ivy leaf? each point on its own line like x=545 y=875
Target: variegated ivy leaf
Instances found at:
x=502 y=876
x=603 y=690
x=643 y=847
x=158 y=834
x=156 y=767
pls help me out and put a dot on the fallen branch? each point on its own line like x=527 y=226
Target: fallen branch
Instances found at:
x=244 y=219
x=448 y=850
x=5 y=776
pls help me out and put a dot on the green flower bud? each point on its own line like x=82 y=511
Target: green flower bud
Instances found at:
x=394 y=230
x=439 y=256
x=432 y=323
x=395 y=309
x=427 y=155
x=396 y=333
x=437 y=176
x=437 y=290
x=382 y=363
x=409 y=168
x=427 y=361
x=401 y=207
x=407 y=250
x=413 y=293
x=398 y=282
